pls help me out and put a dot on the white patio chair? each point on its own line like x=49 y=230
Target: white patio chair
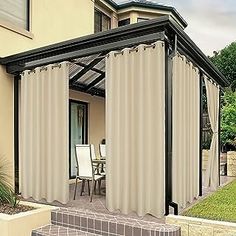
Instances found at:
x=93 y=153
x=85 y=169
x=102 y=149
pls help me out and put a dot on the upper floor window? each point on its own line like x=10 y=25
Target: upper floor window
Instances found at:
x=15 y=12
x=124 y=22
x=142 y=19
x=101 y=21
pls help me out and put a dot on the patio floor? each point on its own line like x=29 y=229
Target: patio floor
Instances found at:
x=98 y=203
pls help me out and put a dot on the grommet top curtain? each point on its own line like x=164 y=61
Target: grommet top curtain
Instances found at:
x=211 y=178
x=186 y=113
x=44 y=133
x=135 y=130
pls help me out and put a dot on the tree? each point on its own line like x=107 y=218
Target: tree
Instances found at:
x=228 y=120
x=225 y=61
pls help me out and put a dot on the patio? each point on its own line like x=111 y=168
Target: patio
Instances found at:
x=98 y=205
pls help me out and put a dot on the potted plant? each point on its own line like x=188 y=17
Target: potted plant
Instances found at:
x=18 y=218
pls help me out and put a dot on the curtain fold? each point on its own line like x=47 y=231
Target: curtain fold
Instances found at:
x=186 y=108
x=211 y=178
x=44 y=133
x=135 y=122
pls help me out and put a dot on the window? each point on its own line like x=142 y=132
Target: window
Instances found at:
x=142 y=19
x=124 y=22
x=15 y=12
x=101 y=21
x=78 y=130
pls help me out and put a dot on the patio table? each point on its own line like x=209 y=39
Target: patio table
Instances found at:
x=99 y=161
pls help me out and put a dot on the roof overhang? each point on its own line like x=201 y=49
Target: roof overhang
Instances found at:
x=163 y=28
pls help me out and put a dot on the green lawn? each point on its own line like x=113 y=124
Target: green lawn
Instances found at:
x=221 y=205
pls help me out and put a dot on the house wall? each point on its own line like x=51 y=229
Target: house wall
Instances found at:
x=6 y=118
x=51 y=22
x=96 y=116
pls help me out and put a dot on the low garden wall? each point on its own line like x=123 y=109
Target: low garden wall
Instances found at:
x=205 y=157
x=191 y=226
x=231 y=163
x=22 y=224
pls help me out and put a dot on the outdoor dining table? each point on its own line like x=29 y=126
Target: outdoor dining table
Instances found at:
x=99 y=161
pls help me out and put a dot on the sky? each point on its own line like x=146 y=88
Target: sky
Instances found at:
x=211 y=23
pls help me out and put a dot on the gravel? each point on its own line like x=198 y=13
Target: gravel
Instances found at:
x=8 y=209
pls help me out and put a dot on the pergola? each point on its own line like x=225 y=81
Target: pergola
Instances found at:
x=87 y=73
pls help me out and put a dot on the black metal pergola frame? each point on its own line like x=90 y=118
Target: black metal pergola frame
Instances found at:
x=163 y=28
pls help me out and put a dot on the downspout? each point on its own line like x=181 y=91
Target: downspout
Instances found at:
x=168 y=126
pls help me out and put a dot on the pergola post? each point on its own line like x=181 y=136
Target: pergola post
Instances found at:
x=170 y=53
x=219 y=130
x=200 y=131
x=16 y=133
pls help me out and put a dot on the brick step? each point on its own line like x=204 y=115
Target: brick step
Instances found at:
x=108 y=224
x=57 y=230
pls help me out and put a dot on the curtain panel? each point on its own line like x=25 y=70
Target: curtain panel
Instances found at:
x=44 y=126
x=135 y=130
x=211 y=178
x=186 y=108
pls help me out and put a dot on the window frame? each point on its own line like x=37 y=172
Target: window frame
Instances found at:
x=101 y=17
x=142 y=19
x=126 y=20
x=17 y=29
x=86 y=128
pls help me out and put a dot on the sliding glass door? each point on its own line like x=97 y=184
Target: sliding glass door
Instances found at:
x=78 y=130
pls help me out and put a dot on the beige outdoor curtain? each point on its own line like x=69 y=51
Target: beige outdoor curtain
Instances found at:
x=186 y=108
x=211 y=178
x=135 y=135
x=44 y=133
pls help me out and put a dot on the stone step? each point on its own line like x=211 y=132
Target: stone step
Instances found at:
x=57 y=230
x=108 y=224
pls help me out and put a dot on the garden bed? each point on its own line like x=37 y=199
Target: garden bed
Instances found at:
x=23 y=223
x=220 y=206
x=8 y=209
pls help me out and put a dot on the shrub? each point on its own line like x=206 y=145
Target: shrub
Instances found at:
x=228 y=119
x=7 y=195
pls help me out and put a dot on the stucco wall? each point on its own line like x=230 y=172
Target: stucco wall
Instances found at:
x=96 y=116
x=51 y=22
x=6 y=117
